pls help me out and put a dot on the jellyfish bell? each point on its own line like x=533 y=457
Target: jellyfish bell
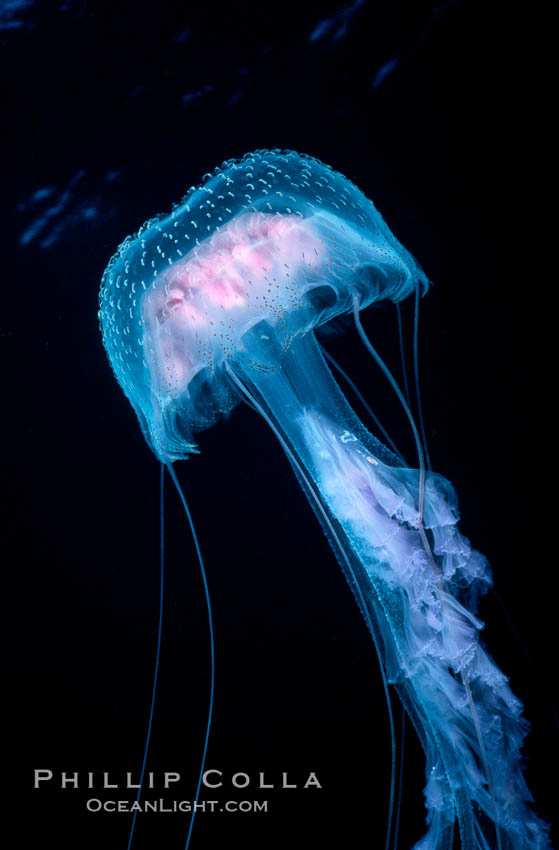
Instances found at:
x=275 y=239
x=219 y=302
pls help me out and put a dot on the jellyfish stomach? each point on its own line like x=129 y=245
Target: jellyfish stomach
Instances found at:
x=422 y=618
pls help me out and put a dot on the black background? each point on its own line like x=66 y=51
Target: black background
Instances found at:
x=113 y=111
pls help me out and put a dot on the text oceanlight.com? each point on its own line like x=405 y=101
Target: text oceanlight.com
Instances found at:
x=171 y=806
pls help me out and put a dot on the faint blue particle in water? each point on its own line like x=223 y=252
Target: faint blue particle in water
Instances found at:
x=196 y=95
x=182 y=37
x=384 y=71
x=137 y=90
x=57 y=212
x=39 y=224
x=336 y=27
x=37 y=196
x=51 y=239
x=72 y=221
x=45 y=192
x=77 y=177
x=235 y=98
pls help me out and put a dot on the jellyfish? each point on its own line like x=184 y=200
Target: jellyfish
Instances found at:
x=219 y=302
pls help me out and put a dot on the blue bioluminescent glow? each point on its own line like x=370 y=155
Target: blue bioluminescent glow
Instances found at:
x=218 y=302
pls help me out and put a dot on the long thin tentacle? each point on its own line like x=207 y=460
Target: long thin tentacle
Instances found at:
x=212 y=647
x=402 y=353
x=158 y=645
x=416 y=373
x=400 y=779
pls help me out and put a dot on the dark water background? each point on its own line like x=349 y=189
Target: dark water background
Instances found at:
x=112 y=111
